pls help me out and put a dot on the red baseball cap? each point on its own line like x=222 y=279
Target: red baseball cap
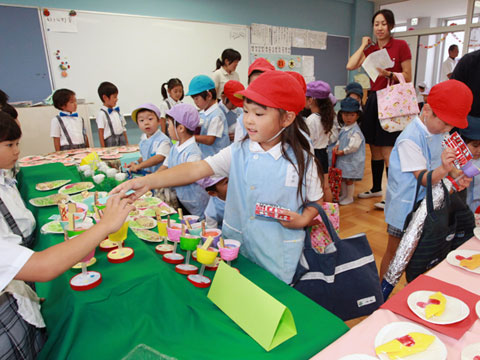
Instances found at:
x=300 y=79
x=276 y=89
x=231 y=87
x=260 y=64
x=451 y=101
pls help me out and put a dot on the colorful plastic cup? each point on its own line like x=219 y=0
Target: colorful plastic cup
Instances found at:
x=196 y=229
x=189 y=242
x=162 y=228
x=81 y=210
x=230 y=250
x=192 y=219
x=206 y=257
x=174 y=232
x=215 y=233
x=120 y=235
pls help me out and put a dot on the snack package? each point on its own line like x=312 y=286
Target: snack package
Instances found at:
x=271 y=211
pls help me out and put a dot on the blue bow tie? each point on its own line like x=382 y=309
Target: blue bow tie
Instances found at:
x=67 y=114
x=117 y=109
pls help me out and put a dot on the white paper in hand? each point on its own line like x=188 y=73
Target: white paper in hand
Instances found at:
x=378 y=59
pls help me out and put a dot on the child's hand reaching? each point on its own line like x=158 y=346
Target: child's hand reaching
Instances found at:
x=140 y=185
x=448 y=157
x=133 y=166
x=116 y=212
x=338 y=152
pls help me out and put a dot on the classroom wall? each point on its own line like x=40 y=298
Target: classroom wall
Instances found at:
x=338 y=17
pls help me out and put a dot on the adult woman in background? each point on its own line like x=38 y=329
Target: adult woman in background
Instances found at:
x=381 y=142
x=226 y=69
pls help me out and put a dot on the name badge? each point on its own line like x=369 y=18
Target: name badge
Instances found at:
x=291 y=180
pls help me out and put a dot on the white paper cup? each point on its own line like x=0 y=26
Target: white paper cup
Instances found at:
x=84 y=168
x=111 y=173
x=120 y=176
x=88 y=173
x=98 y=178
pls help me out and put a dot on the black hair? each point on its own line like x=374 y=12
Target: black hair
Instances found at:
x=61 y=97
x=211 y=188
x=306 y=112
x=3 y=98
x=176 y=123
x=10 y=110
x=173 y=82
x=9 y=128
x=293 y=136
x=228 y=54
x=326 y=112
x=340 y=116
x=204 y=94
x=389 y=18
x=107 y=88
x=144 y=110
x=254 y=72
x=452 y=47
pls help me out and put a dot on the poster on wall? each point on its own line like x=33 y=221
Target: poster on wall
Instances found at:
x=282 y=62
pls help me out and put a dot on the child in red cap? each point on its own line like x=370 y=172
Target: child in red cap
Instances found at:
x=418 y=148
x=272 y=166
x=231 y=105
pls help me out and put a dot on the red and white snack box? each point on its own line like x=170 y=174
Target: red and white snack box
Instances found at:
x=272 y=211
x=462 y=152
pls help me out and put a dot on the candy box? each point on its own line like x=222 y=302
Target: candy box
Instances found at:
x=272 y=211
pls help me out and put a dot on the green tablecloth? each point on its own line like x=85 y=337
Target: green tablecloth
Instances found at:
x=144 y=301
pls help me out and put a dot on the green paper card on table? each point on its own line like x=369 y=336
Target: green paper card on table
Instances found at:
x=260 y=315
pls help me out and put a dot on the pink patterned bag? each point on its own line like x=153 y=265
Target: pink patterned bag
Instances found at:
x=319 y=234
x=397 y=105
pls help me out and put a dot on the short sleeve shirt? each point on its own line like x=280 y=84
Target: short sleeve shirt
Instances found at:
x=399 y=51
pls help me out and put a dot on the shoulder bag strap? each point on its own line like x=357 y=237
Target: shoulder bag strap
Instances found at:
x=12 y=224
x=64 y=129
x=328 y=225
x=109 y=121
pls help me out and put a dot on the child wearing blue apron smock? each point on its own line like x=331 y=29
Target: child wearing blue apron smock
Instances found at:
x=154 y=144
x=274 y=166
x=350 y=149
x=214 y=128
x=418 y=148
x=182 y=121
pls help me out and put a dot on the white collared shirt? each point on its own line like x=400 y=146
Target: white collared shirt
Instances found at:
x=180 y=148
x=447 y=68
x=317 y=132
x=215 y=127
x=13 y=256
x=118 y=122
x=220 y=77
x=74 y=127
x=220 y=164
x=165 y=103
x=410 y=154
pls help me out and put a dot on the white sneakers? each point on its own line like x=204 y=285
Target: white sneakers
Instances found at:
x=369 y=194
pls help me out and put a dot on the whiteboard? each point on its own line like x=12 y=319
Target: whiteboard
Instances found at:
x=138 y=54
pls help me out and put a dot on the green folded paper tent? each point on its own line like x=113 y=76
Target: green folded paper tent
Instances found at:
x=260 y=315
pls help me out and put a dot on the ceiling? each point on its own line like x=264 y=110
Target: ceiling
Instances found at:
x=404 y=10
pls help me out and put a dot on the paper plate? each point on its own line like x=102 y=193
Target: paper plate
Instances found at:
x=471 y=352
x=110 y=156
x=127 y=149
x=31 y=158
x=56 y=156
x=436 y=351
x=52 y=227
x=455 y=309
x=50 y=185
x=33 y=163
x=476 y=232
x=76 y=188
x=147 y=202
x=92 y=261
x=80 y=198
x=49 y=200
x=452 y=259
x=147 y=235
x=358 y=357
x=142 y=222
